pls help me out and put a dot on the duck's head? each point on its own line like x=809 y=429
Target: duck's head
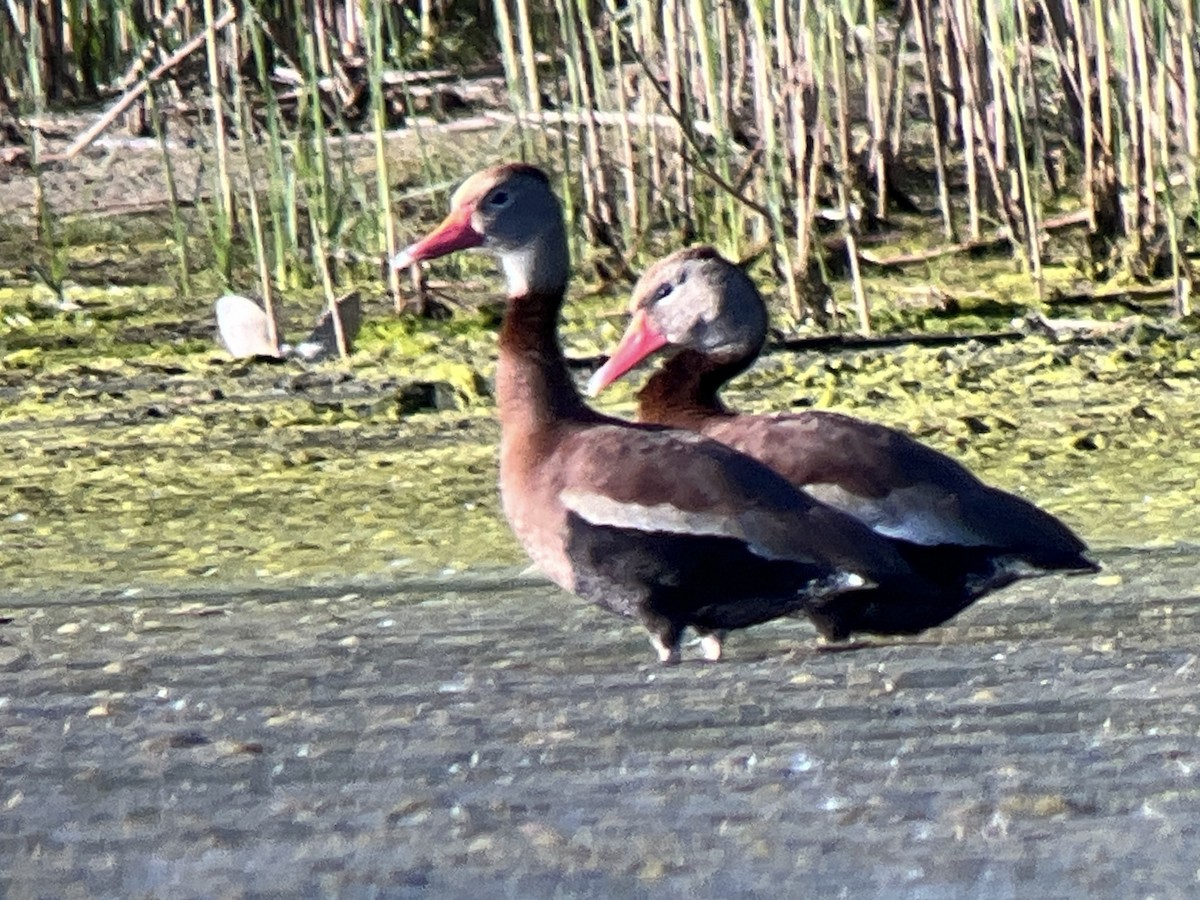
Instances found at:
x=510 y=211
x=693 y=299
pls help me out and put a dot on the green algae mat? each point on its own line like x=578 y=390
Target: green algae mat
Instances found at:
x=136 y=453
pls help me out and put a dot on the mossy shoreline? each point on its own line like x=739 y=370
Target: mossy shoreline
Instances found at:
x=135 y=452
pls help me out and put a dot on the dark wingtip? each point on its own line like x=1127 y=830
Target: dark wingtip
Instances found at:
x=1081 y=565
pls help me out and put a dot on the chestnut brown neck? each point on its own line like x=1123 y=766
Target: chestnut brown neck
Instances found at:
x=534 y=390
x=684 y=391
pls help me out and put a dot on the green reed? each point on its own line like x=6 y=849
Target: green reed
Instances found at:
x=736 y=123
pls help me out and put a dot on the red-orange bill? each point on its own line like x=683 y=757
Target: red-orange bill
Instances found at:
x=641 y=339
x=455 y=233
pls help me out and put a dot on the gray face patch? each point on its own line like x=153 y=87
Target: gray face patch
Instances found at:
x=705 y=303
x=522 y=224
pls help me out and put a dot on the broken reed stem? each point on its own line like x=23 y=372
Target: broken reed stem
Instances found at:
x=132 y=94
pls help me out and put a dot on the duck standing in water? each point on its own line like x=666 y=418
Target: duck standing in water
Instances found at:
x=656 y=524
x=954 y=530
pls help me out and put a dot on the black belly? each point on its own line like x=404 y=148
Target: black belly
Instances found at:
x=702 y=580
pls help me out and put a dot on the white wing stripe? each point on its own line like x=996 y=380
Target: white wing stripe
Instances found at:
x=598 y=509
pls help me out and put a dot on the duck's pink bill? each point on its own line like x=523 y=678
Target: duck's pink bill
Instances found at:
x=455 y=233
x=641 y=339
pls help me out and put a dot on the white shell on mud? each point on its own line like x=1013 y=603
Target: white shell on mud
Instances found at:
x=242 y=325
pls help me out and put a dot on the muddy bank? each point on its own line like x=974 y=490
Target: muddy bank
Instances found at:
x=486 y=734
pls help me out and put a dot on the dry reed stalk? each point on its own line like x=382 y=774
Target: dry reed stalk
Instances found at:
x=1190 y=102
x=877 y=151
x=652 y=161
x=951 y=106
x=1009 y=105
x=1106 y=178
x=921 y=26
x=1025 y=109
x=280 y=175
x=1083 y=84
x=316 y=188
x=55 y=263
x=839 y=27
x=320 y=38
x=957 y=73
x=896 y=85
x=1142 y=112
x=808 y=148
x=785 y=83
x=767 y=102
x=596 y=209
x=570 y=131
x=631 y=221
x=973 y=112
x=1129 y=145
x=518 y=91
x=678 y=186
x=703 y=47
x=528 y=55
x=595 y=97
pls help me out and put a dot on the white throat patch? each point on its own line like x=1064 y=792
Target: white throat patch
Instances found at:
x=519 y=274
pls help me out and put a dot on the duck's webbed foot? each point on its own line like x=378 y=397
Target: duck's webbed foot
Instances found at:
x=665 y=636
x=711 y=642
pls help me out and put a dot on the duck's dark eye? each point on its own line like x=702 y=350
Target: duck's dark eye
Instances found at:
x=661 y=293
x=499 y=198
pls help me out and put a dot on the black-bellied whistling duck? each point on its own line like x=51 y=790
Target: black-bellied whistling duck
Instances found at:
x=652 y=523
x=952 y=528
